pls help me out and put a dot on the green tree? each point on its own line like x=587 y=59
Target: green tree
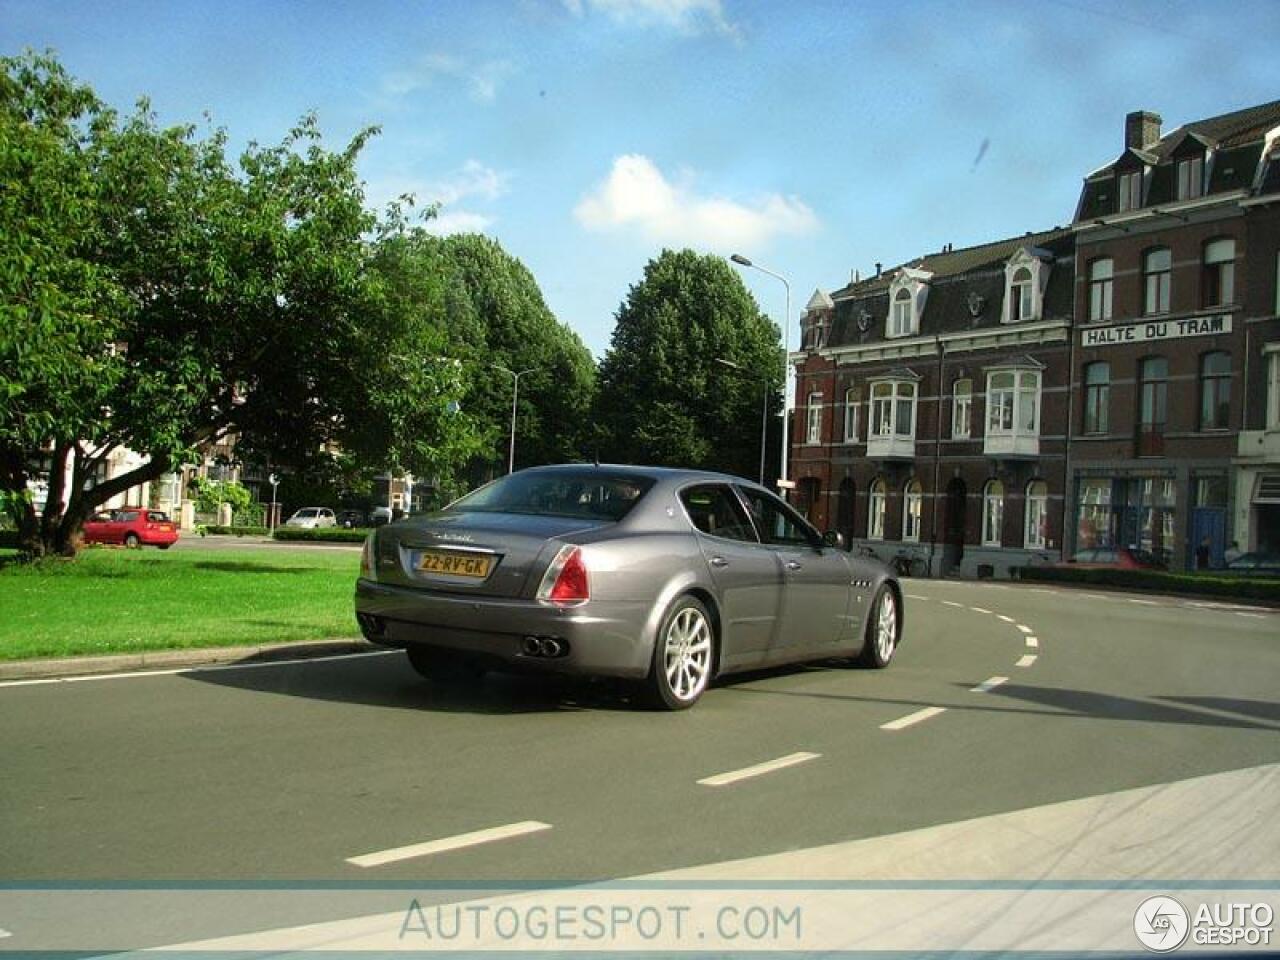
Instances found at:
x=663 y=398
x=157 y=297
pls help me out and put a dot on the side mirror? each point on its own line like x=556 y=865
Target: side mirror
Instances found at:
x=833 y=538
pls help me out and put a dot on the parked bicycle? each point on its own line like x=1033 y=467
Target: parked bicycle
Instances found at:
x=907 y=564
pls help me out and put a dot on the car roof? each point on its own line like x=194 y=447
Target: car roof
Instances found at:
x=671 y=474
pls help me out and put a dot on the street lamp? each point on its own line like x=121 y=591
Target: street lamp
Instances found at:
x=515 y=396
x=764 y=407
x=786 y=353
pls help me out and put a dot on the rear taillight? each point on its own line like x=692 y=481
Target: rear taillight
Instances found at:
x=566 y=579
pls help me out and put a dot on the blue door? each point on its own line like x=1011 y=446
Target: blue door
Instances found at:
x=1207 y=523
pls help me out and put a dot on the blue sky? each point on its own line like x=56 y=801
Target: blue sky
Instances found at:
x=586 y=135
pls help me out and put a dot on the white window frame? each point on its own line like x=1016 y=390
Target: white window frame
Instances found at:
x=1101 y=289
x=904 y=312
x=1036 y=516
x=876 y=503
x=1129 y=186
x=1157 y=285
x=887 y=399
x=1271 y=352
x=912 y=511
x=1226 y=266
x=1028 y=294
x=813 y=420
x=1009 y=403
x=851 y=415
x=961 y=409
x=902 y=319
x=1190 y=174
x=992 y=513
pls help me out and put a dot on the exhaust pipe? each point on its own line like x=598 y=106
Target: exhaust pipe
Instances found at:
x=531 y=647
x=549 y=647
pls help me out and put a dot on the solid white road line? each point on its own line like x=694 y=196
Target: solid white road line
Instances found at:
x=1033 y=641
x=979 y=609
x=912 y=719
x=733 y=776
x=988 y=685
x=449 y=843
x=135 y=674
x=1026 y=661
x=1024 y=628
x=1254 y=616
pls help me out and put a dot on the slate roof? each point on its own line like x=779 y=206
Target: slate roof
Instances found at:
x=956 y=275
x=1236 y=137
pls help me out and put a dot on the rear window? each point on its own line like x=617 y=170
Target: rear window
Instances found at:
x=591 y=493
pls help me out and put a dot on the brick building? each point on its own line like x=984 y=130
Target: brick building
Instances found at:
x=932 y=406
x=1175 y=310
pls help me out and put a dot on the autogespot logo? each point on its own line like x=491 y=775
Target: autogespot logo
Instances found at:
x=1161 y=924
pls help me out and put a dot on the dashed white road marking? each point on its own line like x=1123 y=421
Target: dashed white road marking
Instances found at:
x=1026 y=661
x=1096 y=596
x=1145 y=603
x=915 y=596
x=988 y=685
x=1033 y=641
x=1252 y=616
x=135 y=674
x=733 y=776
x=449 y=843
x=912 y=719
x=952 y=603
x=1004 y=618
x=979 y=609
x=1024 y=628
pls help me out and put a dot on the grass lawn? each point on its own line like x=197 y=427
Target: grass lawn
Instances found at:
x=123 y=601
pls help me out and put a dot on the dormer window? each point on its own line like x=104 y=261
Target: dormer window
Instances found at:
x=1026 y=275
x=1130 y=197
x=907 y=295
x=1190 y=178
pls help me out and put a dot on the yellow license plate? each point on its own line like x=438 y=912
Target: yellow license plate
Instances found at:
x=455 y=564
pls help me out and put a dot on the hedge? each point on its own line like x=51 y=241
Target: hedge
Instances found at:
x=236 y=531
x=1202 y=584
x=323 y=534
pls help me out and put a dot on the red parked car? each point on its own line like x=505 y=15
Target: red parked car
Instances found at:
x=1121 y=558
x=133 y=527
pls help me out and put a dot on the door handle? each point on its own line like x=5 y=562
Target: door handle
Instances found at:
x=719 y=562
x=794 y=565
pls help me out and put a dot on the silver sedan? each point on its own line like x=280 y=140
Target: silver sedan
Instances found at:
x=666 y=576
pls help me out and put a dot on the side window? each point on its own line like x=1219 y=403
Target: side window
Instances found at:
x=129 y=517
x=778 y=523
x=715 y=511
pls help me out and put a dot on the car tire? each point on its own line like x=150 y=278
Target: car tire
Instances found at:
x=443 y=666
x=884 y=629
x=683 y=655
x=131 y=541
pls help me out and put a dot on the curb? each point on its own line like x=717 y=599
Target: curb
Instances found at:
x=39 y=669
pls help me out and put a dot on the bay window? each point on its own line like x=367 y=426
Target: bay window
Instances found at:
x=1013 y=413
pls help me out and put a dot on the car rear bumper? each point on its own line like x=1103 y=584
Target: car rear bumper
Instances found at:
x=596 y=638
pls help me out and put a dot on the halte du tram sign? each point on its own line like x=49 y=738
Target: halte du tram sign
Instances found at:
x=1155 y=330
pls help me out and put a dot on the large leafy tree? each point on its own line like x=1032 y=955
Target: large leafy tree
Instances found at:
x=154 y=296
x=490 y=313
x=663 y=397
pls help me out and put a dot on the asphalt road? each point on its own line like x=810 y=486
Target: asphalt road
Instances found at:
x=1000 y=699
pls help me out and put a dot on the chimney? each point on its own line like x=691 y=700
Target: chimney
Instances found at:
x=856 y=277
x=877 y=269
x=1141 y=130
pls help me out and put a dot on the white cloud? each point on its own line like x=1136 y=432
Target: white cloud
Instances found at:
x=457 y=221
x=687 y=16
x=482 y=78
x=636 y=195
x=472 y=181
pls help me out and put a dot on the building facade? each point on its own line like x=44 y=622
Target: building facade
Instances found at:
x=1114 y=383
x=1172 y=451
x=932 y=407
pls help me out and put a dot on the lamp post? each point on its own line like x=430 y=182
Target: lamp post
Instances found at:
x=515 y=397
x=764 y=407
x=786 y=352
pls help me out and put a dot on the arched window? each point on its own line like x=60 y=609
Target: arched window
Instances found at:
x=1020 y=291
x=875 y=511
x=1218 y=279
x=1101 y=274
x=844 y=511
x=813 y=432
x=961 y=408
x=912 y=507
x=901 y=323
x=1037 y=515
x=1097 y=397
x=851 y=415
x=992 y=513
x=1156 y=267
x=1215 y=391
